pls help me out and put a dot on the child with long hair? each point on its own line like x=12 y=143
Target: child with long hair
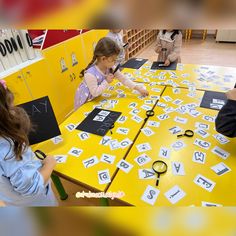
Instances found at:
x=98 y=74
x=24 y=180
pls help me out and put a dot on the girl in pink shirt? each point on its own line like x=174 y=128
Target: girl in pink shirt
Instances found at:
x=98 y=74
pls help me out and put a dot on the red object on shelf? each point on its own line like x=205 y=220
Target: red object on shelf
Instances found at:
x=35 y=33
x=53 y=37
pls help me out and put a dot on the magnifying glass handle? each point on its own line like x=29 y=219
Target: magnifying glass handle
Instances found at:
x=158 y=178
x=180 y=135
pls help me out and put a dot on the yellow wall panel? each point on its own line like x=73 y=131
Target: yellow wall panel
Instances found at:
x=89 y=42
x=63 y=87
x=101 y=33
x=16 y=83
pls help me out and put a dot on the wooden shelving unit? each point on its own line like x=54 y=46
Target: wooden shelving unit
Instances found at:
x=138 y=40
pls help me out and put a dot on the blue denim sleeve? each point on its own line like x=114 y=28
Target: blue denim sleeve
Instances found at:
x=23 y=175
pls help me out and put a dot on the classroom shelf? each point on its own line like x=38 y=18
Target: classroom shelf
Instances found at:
x=138 y=40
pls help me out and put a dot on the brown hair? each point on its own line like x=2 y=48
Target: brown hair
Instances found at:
x=105 y=47
x=15 y=124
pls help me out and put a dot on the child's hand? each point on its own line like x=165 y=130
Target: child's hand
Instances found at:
x=126 y=46
x=231 y=94
x=158 y=49
x=109 y=78
x=142 y=91
x=48 y=165
x=167 y=62
x=49 y=161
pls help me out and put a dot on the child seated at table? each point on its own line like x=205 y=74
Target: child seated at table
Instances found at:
x=99 y=73
x=24 y=181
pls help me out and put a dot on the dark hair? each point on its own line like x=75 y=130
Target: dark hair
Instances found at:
x=174 y=32
x=15 y=124
x=105 y=47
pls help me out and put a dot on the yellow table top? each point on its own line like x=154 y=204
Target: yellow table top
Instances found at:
x=212 y=78
x=185 y=192
x=74 y=169
x=185 y=76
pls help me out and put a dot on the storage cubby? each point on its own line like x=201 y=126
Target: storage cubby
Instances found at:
x=138 y=40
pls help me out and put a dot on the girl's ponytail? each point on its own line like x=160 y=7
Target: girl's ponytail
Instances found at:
x=89 y=65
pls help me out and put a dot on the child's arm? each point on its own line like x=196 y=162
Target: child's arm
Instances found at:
x=158 y=44
x=173 y=56
x=124 y=80
x=93 y=86
x=226 y=120
x=48 y=165
x=129 y=83
x=24 y=175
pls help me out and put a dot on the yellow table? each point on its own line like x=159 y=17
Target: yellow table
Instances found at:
x=73 y=169
x=134 y=187
x=212 y=78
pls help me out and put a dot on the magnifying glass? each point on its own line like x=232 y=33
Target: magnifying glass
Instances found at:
x=188 y=133
x=159 y=167
x=116 y=69
x=40 y=155
x=149 y=113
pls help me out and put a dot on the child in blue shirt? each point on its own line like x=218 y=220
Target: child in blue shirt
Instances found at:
x=24 y=180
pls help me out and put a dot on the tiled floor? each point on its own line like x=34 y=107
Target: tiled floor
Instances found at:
x=195 y=51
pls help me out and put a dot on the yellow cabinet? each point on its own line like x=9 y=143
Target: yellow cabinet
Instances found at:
x=16 y=83
x=58 y=66
x=101 y=33
x=65 y=62
x=41 y=82
x=76 y=59
x=38 y=79
x=90 y=39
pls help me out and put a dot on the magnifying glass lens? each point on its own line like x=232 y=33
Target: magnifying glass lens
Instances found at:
x=159 y=167
x=150 y=113
x=189 y=133
x=40 y=156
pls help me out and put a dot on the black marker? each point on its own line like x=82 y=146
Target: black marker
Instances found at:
x=116 y=69
x=125 y=45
